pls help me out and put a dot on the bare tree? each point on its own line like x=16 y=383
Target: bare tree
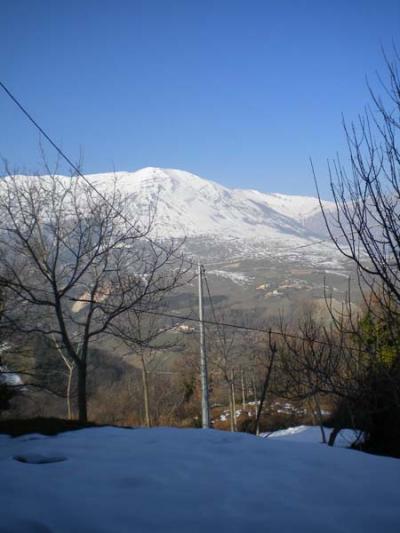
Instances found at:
x=70 y=367
x=272 y=350
x=225 y=351
x=146 y=338
x=367 y=380
x=73 y=262
x=365 y=225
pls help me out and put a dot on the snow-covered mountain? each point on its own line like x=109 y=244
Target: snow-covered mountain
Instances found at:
x=218 y=222
x=236 y=233
x=193 y=207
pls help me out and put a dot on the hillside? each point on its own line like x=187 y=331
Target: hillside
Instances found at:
x=190 y=206
x=219 y=223
x=255 y=246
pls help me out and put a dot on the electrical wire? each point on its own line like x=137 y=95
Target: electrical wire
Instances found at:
x=76 y=169
x=89 y=183
x=123 y=217
x=212 y=304
x=247 y=328
x=220 y=336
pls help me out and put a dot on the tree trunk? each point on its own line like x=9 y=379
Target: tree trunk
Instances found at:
x=69 y=384
x=320 y=420
x=145 y=392
x=243 y=385
x=82 y=396
x=69 y=363
x=332 y=437
x=255 y=397
x=231 y=410
x=265 y=384
x=233 y=400
x=311 y=409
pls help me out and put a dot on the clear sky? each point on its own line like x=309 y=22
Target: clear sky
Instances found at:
x=242 y=92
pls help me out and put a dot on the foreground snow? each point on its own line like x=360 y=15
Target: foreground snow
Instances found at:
x=171 y=480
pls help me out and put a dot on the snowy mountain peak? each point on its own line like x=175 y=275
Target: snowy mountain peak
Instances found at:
x=191 y=206
x=245 y=221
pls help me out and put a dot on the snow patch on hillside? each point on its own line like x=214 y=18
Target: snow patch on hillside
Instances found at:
x=300 y=208
x=236 y=277
x=312 y=434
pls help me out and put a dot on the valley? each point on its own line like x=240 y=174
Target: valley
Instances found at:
x=262 y=252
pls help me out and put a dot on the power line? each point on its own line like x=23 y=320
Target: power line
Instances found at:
x=269 y=330
x=88 y=182
x=105 y=199
x=246 y=328
x=76 y=169
x=219 y=336
x=311 y=244
x=326 y=240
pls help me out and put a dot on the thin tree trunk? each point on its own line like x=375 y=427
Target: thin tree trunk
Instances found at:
x=320 y=421
x=243 y=385
x=312 y=412
x=145 y=392
x=233 y=399
x=69 y=363
x=332 y=437
x=82 y=396
x=232 y=424
x=69 y=385
x=272 y=347
x=255 y=397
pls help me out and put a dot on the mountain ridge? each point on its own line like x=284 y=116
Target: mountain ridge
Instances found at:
x=192 y=206
x=218 y=222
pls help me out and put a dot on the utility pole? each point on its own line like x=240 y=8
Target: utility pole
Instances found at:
x=205 y=415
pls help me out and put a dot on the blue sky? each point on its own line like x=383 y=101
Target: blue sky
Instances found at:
x=242 y=92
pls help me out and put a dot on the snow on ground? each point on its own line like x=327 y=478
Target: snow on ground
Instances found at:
x=297 y=207
x=9 y=378
x=181 y=481
x=236 y=277
x=338 y=273
x=312 y=434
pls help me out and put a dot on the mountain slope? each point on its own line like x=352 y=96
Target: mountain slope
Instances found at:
x=219 y=223
x=190 y=206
